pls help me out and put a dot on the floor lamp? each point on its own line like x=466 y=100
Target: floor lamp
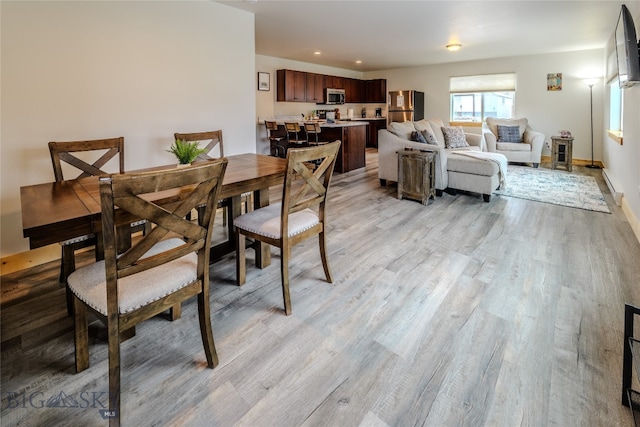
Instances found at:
x=590 y=83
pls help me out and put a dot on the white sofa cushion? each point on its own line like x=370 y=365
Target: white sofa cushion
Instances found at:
x=436 y=127
x=402 y=129
x=512 y=146
x=470 y=165
x=422 y=125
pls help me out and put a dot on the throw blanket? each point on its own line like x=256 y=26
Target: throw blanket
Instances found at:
x=497 y=158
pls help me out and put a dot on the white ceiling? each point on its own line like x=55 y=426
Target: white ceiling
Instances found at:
x=394 y=34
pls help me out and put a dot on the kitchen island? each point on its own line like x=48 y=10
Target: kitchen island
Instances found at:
x=352 y=134
x=375 y=124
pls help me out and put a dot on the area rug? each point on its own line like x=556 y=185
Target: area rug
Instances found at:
x=555 y=187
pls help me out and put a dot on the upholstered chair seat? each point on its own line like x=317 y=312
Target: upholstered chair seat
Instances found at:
x=135 y=291
x=266 y=221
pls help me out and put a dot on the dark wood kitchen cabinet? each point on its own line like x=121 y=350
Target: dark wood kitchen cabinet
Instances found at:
x=315 y=88
x=353 y=90
x=334 y=82
x=300 y=86
x=374 y=126
x=292 y=86
x=376 y=91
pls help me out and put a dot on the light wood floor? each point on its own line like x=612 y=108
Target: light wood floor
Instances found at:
x=461 y=313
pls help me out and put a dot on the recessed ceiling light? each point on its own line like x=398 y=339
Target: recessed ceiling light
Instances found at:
x=317 y=52
x=454 y=47
x=358 y=62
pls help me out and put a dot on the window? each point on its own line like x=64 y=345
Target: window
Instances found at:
x=474 y=98
x=615 y=105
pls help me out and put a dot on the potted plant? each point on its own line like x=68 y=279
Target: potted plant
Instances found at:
x=185 y=151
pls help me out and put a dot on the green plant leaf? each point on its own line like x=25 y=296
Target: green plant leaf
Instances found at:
x=186 y=152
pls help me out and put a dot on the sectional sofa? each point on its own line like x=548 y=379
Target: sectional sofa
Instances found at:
x=460 y=165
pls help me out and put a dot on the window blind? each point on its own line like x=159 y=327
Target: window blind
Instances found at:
x=483 y=83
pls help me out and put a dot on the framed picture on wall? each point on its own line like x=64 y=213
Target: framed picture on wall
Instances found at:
x=554 y=81
x=263 y=81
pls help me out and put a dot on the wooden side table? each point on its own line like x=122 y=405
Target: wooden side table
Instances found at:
x=417 y=175
x=561 y=152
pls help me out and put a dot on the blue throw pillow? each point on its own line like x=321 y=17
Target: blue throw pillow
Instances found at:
x=431 y=139
x=509 y=133
x=418 y=137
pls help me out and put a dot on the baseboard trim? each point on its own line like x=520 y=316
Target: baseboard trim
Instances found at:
x=29 y=259
x=613 y=186
x=575 y=162
x=633 y=220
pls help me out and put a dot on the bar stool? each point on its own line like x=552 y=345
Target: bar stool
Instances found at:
x=277 y=150
x=293 y=137
x=312 y=129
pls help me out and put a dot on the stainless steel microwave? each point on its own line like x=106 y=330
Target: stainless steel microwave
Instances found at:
x=334 y=96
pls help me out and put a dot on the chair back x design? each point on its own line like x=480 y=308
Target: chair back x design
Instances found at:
x=215 y=144
x=75 y=153
x=300 y=215
x=66 y=152
x=214 y=139
x=166 y=266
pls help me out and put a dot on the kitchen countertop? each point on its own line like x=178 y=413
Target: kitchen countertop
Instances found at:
x=324 y=123
x=342 y=123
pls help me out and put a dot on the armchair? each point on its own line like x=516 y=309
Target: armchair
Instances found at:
x=528 y=149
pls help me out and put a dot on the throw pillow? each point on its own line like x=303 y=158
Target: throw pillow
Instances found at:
x=509 y=133
x=454 y=137
x=430 y=137
x=418 y=137
x=493 y=123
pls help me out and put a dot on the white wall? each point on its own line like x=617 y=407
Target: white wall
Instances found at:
x=142 y=70
x=547 y=112
x=623 y=161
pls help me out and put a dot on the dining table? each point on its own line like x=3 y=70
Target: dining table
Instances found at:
x=57 y=211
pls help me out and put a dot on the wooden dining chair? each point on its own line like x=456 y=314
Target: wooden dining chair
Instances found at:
x=295 y=135
x=300 y=215
x=72 y=156
x=213 y=149
x=275 y=140
x=168 y=265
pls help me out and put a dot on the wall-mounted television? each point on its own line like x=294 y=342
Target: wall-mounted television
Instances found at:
x=627 y=50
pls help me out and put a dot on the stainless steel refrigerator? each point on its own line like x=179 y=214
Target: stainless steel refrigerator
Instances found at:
x=405 y=105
